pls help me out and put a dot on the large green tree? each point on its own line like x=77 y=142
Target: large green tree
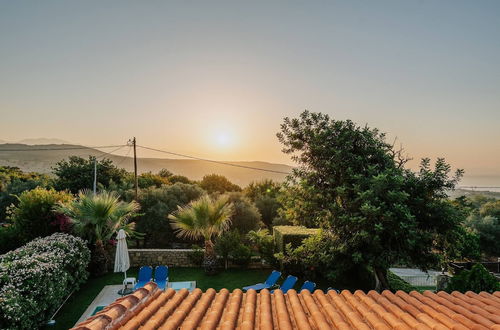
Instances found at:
x=77 y=173
x=354 y=185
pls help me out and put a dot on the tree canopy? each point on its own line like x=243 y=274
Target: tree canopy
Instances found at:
x=156 y=204
x=214 y=183
x=353 y=184
x=77 y=173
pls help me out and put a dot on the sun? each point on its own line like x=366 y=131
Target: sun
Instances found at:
x=223 y=139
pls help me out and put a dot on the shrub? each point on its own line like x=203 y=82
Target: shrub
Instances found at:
x=264 y=244
x=293 y=235
x=13 y=182
x=197 y=255
x=8 y=238
x=477 y=279
x=179 y=178
x=397 y=283
x=241 y=255
x=34 y=215
x=36 y=278
x=226 y=243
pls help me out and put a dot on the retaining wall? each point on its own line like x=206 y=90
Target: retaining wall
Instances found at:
x=155 y=257
x=174 y=258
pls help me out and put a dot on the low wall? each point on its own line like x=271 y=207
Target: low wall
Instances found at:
x=155 y=257
x=173 y=258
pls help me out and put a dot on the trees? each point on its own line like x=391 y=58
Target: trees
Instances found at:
x=214 y=183
x=488 y=229
x=265 y=196
x=34 y=216
x=96 y=218
x=148 y=179
x=246 y=216
x=483 y=220
x=204 y=218
x=13 y=182
x=156 y=203
x=354 y=185
x=476 y=280
x=77 y=173
x=265 y=187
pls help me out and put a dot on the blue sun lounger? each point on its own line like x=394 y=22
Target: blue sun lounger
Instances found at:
x=271 y=280
x=287 y=284
x=161 y=276
x=145 y=275
x=308 y=286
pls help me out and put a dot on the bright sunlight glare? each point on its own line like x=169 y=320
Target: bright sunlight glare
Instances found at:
x=223 y=139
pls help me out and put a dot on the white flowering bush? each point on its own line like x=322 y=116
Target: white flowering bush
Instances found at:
x=36 y=278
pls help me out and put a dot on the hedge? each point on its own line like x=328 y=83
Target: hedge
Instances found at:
x=36 y=278
x=397 y=283
x=291 y=234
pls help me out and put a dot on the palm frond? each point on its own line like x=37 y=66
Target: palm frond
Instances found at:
x=202 y=218
x=97 y=217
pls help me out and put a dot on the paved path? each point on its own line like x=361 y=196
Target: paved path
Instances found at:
x=107 y=295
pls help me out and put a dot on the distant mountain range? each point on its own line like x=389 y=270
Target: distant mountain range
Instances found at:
x=30 y=159
x=42 y=161
x=37 y=141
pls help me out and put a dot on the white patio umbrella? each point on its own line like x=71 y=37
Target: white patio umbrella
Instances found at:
x=122 y=260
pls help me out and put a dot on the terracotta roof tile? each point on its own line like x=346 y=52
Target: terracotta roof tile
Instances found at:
x=151 y=308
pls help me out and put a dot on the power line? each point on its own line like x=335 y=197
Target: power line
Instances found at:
x=69 y=148
x=109 y=153
x=124 y=157
x=214 y=161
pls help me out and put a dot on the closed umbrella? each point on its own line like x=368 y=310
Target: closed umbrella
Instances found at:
x=122 y=260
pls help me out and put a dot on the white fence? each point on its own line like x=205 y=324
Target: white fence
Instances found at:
x=417 y=277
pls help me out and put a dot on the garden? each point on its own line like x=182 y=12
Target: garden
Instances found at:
x=351 y=210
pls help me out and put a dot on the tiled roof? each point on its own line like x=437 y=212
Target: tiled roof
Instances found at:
x=151 y=308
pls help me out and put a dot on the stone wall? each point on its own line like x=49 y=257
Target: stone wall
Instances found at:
x=155 y=257
x=173 y=258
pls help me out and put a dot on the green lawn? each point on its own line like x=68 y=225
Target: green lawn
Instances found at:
x=79 y=301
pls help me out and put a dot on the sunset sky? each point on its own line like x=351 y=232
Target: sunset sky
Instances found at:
x=215 y=79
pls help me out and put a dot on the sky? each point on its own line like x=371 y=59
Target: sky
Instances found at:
x=216 y=78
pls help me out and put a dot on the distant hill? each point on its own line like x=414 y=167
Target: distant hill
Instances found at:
x=42 y=141
x=37 y=141
x=42 y=161
x=466 y=192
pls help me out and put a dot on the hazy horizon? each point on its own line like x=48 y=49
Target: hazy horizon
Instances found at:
x=215 y=80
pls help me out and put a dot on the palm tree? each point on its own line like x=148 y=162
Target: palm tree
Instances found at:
x=96 y=218
x=204 y=218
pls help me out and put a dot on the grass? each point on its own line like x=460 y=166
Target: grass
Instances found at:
x=80 y=300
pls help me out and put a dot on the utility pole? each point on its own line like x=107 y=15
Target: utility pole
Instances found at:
x=135 y=167
x=95 y=175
